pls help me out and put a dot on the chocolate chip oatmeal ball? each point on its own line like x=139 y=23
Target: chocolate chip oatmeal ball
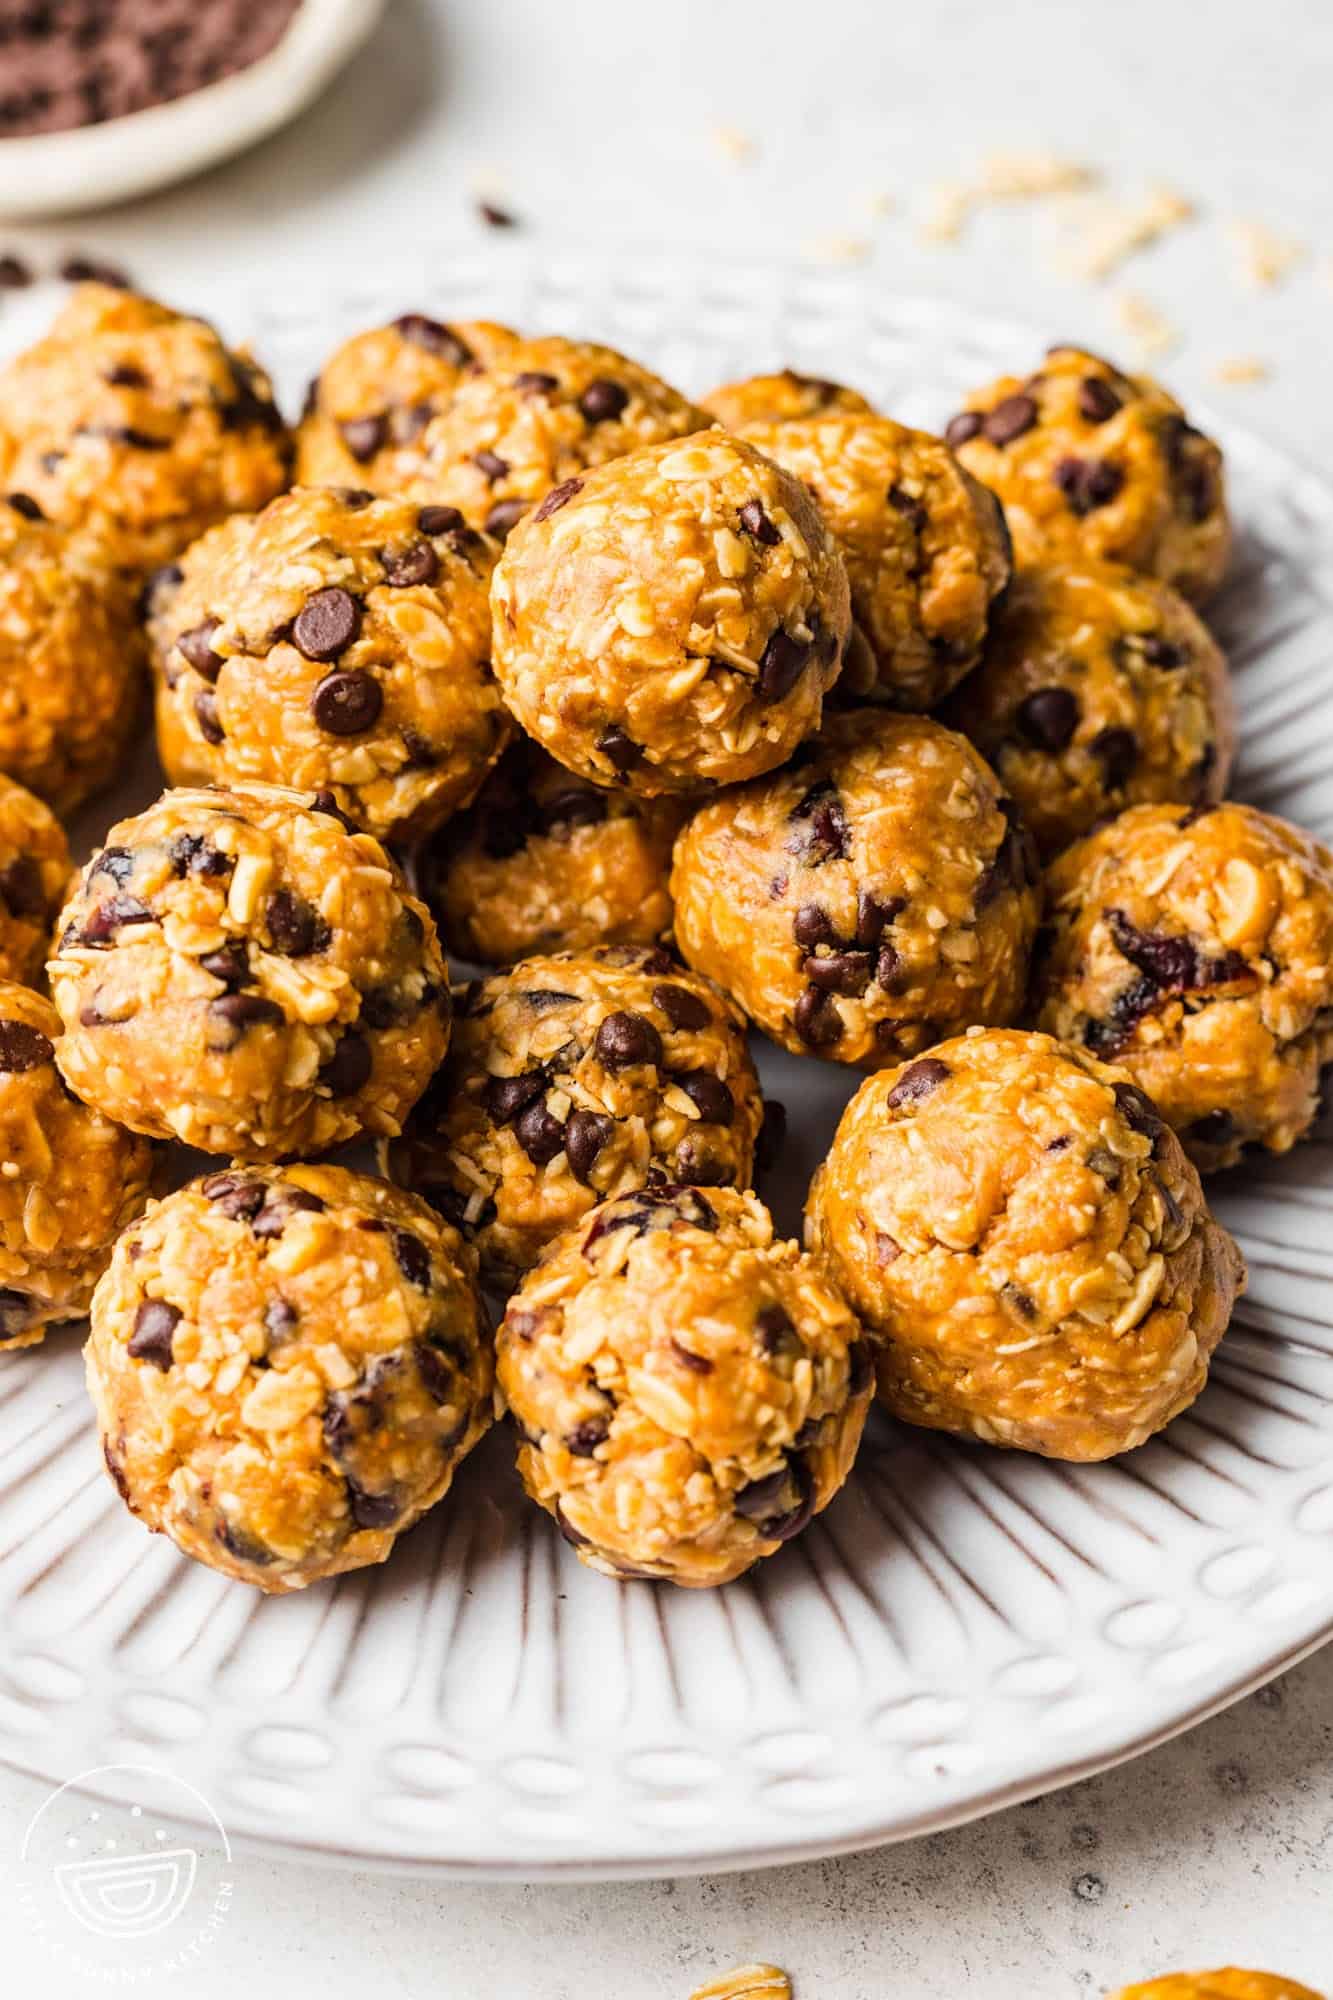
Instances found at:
x=674 y=620
x=1100 y=689
x=925 y=544
x=689 y=1391
x=544 y=861
x=71 y=658
x=239 y=970
x=1090 y=462
x=335 y=643
x=137 y=420
x=288 y=1365
x=72 y=1180
x=1196 y=950
x=543 y=412
x=777 y=398
x=1021 y=1232
x=1229 y=1982
x=873 y=896
x=367 y=408
x=34 y=874
x=572 y=1078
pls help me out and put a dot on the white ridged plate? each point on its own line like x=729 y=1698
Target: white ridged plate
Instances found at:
x=963 y=1627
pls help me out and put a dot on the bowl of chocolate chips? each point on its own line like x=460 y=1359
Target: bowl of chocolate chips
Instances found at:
x=102 y=100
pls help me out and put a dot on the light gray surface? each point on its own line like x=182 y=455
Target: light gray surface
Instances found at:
x=599 y=121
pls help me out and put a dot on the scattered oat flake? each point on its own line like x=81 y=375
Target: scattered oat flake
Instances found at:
x=1242 y=368
x=882 y=203
x=1151 y=332
x=1109 y=233
x=1264 y=257
x=950 y=206
x=841 y=249
x=733 y=144
x=747 y=1982
x=1025 y=176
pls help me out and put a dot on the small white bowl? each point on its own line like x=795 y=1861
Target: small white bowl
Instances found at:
x=58 y=173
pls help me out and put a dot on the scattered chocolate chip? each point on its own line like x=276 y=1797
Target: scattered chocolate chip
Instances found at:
x=1048 y=717
x=155 y=1325
x=536 y=382
x=825 y=836
x=912 y=510
x=24 y=504
x=295 y=926
x=504 y=517
x=586 y=1132
x=102 y=924
x=603 y=400
x=435 y=337
x=1009 y=419
x=860 y=1368
x=841 y=972
x=757 y=524
x=229 y=963
x=490 y=464
x=280 y=1207
x=23 y=1048
x=557 y=498
x=1088 y=483
x=1118 y=751
x=1215 y=1128
x=1097 y=400
x=540 y=1134
x=1138 y=1110
x=15 y=275
x=781 y=665
x=21 y=887
x=816 y=1019
x=245 y=1010
x=206 y=715
x=772 y=1136
x=236 y=1195
x=711 y=1097
x=505 y=1096
x=412 y=1258
x=962 y=428
x=874 y=915
x=441 y=521
x=327 y=623
x=812 y=926
x=364 y=436
x=775 y=1331
x=327 y=804
x=917 y=1081
x=196 y=647
x=1160 y=652
x=781 y=1504
x=625 y=1040
x=347 y=703
x=697 y=1364
x=685 y=1010
x=348 y=1068
x=583 y=1440
x=195 y=854
x=242 y=1547
x=415 y=564
x=620 y=750
x=371 y=1510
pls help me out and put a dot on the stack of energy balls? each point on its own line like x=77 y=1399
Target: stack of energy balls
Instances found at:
x=767 y=711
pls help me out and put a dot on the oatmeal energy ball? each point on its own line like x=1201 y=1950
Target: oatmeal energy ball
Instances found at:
x=367 y=408
x=540 y=413
x=926 y=548
x=238 y=970
x=572 y=1078
x=1090 y=462
x=336 y=643
x=71 y=657
x=1229 y=1982
x=1100 y=689
x=1024 y=1236
x=544 y=861
x=137 y=420
x=1196 y=950
x=775 y=399
x=688 y=1391
x=877 y=893
x=72 y=1179
x=34 y=875
x=671 y=621
x=288 y=1365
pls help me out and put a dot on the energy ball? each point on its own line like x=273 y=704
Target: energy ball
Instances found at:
x=239 y=970
x=1100 y=689
x=674 y=620
x=541 y=413
x=878 y=893
x=288 y=1366
x=34 y=875
x=926 y=548
x=1090 y=462
x=1229 y=1982
x=71 y=656
x=1196 y=950
x=138 y=420
x=572 y=1078
x=777 y=398
x=1022 y=1234
x=72 y=1179
x=338 y=643
x=367 y=408
x=543 y=861
x=689 y=1392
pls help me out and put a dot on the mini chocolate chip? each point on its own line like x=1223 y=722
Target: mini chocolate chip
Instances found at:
x=347 y=703
x=490 y=465
x=280 y=1320
x=155 y=1324
x=23 y=1048
x=195 y=854
x=962 y=428
x=757 y=524
x=235 y=1195
x=813 y=926
x=888 y=964
x=711 y=1097
x=625 y=1040
x=295 y=926
x=685 y=1010
x=206 y=715
x=327 y=804
x=776 y=1333
x=348 y=1068
x=558 y=497
x=603 y=400
x=496 y=217
x=278 y=1211
x=435 y=337
x=917 y=1081
x=416 y=564
x=584 y=1439
x=697 y=1364
x=781 y=665
x=229 y=963
x=364 y=436
x=1160 y=652
x=196 y=647
x=505 y=1096
x=540 y=1134
x=246 y=1010
x=1088 y=483
x=242 y=1547
x=24 y=504
x=816 y=1019
x=441 y=521
x=536 y=382
x=1118 y=751
x=504 y=517
x=1010 y=418
x=873 y=915
x=1097 y=400
x=102 y=924
x=326 y=624
x=1215 y=1128
x=772 y=1136
x=842 y=972
x=412 y=1258
x=1138 y=1110
x=906 y=504
x=825 y=837
x=620 y=750
x=21 y=887
x=371 y=1510
x=586 y=1132
x=793 y=1484
x=1048 y=717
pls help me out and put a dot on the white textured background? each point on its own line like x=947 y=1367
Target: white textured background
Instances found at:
x=595 y=120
